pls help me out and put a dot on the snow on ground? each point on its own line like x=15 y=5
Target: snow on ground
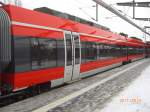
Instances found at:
x=135 y=98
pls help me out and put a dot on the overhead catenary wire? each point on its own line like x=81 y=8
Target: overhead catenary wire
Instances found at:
x=116 y=12
x=85 y=12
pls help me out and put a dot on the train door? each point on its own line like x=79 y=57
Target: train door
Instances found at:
x=72 y=56
x=68 y=56
x=76 y=56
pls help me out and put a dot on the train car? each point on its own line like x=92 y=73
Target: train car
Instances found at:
x=147 y=50
x=136 y=49
x=39 y=48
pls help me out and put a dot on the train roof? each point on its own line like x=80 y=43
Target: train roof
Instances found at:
x=135 y=40
x=29 y=17
x=148 y=42
x=68 y=16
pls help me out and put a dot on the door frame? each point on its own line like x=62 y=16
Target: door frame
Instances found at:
x=69 y=71
x=67 y=76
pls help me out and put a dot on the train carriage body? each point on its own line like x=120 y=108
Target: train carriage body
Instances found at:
x=136 y=49
x=45 y=48
x=147 y=50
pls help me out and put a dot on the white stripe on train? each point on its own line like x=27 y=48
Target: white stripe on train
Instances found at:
x=56 y=29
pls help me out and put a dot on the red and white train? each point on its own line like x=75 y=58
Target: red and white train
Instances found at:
x=37 y=48
x=147 y=50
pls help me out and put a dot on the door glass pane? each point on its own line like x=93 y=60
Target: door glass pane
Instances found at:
x=77 y=49
x=68 y=49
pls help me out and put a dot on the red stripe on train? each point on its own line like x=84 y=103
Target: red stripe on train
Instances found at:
x=25 y=79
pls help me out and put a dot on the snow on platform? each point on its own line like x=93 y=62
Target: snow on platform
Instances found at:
x=135 y=98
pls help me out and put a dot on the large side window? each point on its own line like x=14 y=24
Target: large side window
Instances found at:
x=83 y=51
x=101 y=54
x=88 y=51
x=91 y=54
x=22 y=54
x=112 y=51
x=35 y=54
x=124 y=48
x=118 y=51
x=43 y=53
x=48 y=53
x=94 y=47
x=130 y=50
x=60 y=53
x=104 y=50
x=38 y=53
x=97 y=48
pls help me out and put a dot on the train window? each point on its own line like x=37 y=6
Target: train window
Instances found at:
x=22 y=54
x=118 y=51
x=130 y=50
x=104 y=51
x=100 y=51
x=124 y=50
x=109 y=51
x=77 y=49
x=140 y=50
x=87 y=53
x=60 y=53
x=38 y=53
x=90 y=51
x=35 y=54
x=83 y=51
x=68 y=49
x=108 y=48
x=94 y=47
x=43 y=52
x=48 y=53
x=97 y=47
x=95 y=51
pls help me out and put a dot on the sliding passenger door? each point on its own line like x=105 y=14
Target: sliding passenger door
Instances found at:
x=72 y=56
x=68 y=56
x=76 y=56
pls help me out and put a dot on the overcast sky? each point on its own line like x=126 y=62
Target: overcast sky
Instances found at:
x=83 y=9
